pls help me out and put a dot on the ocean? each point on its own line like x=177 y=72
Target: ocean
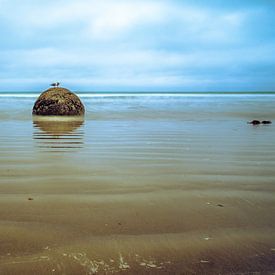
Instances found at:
x=147 y=183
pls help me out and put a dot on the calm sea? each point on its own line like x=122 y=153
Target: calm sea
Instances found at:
x=184 y=106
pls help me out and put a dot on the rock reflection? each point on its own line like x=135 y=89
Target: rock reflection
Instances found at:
x=57 y=134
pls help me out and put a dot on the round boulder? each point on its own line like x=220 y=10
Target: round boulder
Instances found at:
x=58 y=102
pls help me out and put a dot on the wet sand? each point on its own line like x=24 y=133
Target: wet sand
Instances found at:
x=171 y=232
x=137 y=196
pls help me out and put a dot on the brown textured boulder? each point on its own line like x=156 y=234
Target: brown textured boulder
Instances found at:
x=58 y=102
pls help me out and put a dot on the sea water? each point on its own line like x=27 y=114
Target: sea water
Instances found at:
x=177 y=182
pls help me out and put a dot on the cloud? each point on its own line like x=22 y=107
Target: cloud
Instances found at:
x=95 y=19
x=138 y=59
x=107 y=19
x=117 y=44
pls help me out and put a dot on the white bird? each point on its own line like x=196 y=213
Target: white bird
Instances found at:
x=55 y=84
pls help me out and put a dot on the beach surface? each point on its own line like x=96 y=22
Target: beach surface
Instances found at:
x=171 y=184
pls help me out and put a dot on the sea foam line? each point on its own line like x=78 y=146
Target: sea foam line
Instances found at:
x=87 y=95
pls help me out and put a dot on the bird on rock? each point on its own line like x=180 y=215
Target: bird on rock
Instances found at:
x=55 y=84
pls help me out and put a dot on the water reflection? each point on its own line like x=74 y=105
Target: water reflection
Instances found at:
x=58 y=134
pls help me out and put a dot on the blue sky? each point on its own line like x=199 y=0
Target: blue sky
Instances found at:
x=138 y=45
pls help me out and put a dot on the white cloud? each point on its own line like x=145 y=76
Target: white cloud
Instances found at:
x=119 y=17
x=108 y=18
x=98 y=19
x=90 y=21
x=208 y=25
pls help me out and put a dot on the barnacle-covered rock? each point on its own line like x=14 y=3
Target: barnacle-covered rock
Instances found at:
x=58 y=102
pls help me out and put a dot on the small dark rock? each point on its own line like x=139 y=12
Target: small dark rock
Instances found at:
x=30 y=199
x=254 y=122
x=58 y=102
x=220 y=205
x=266 y=122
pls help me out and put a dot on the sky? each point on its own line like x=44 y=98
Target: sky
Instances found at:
x=137 y=45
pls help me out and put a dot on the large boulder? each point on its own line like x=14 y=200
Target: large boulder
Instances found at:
x=58 y=102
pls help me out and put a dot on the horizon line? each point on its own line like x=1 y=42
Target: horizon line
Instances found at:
x=162 y=91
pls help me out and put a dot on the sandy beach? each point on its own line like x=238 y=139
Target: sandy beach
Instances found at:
x=141 y=186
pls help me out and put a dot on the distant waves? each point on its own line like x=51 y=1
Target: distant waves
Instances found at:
x=143 y=94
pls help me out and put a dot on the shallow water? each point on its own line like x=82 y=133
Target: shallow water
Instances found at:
x=176 y=184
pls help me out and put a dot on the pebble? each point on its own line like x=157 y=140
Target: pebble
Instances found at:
x=266 y=122
x=204 y=261
x=255 y=122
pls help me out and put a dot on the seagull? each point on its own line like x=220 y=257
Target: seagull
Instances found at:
x=55 y=84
